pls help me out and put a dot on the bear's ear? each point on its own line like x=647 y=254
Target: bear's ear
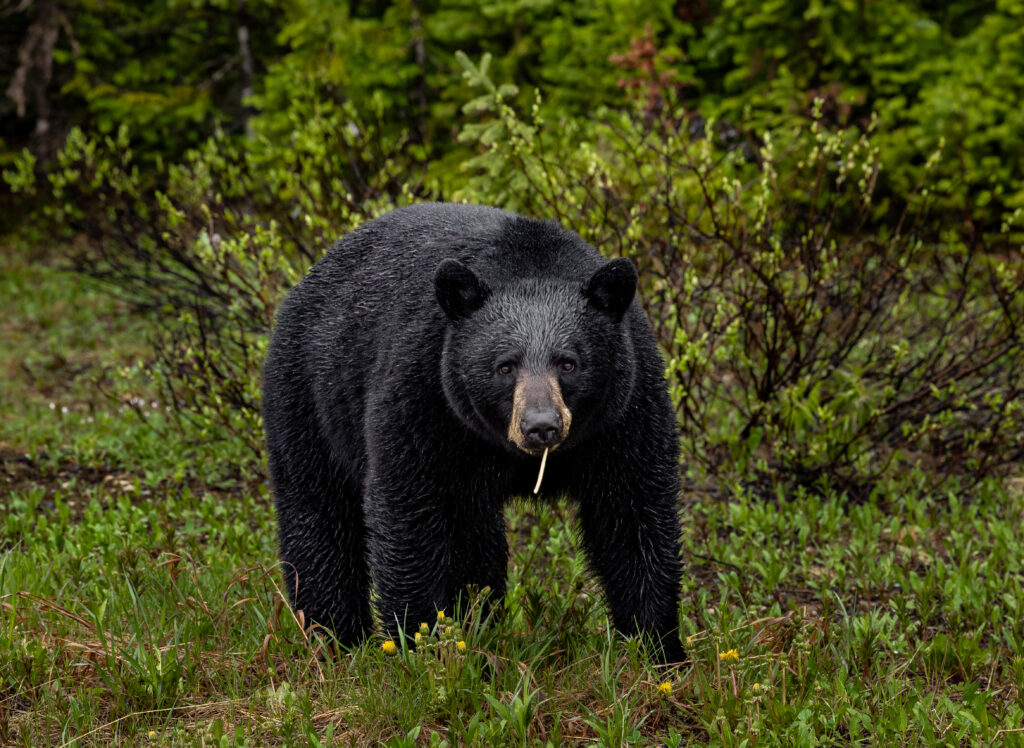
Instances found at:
x=459 y=291
x=611 y=287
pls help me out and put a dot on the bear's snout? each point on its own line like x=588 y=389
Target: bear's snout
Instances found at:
x=540 y=419
x=542 y=429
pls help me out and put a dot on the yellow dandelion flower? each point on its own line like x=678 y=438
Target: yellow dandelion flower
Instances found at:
x=729 y=654
x=389 y=647
x=665 y=689
x=689 y=641
x=461 y=646
x=418 y=637
x=424 y=629
x=440 y=616
x=756 y=687
x=447 y=629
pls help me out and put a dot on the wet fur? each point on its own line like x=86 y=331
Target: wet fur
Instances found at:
x=386 y=463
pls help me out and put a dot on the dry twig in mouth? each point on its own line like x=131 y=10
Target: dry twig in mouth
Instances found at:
x=540 y=476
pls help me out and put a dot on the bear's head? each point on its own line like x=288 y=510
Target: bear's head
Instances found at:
x=536 y=362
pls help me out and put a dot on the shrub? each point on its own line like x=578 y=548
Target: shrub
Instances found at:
x=812 y=337
x=815 y=335
x=212 y=246
x=930 y=71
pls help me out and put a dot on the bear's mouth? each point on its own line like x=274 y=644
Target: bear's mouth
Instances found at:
x=538 y=452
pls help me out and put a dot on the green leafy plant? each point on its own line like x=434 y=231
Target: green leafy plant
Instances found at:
x=213 y=249
x=813 y=337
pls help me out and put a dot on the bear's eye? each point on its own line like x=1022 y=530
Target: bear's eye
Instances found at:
x=568 y=366
x=505 y=369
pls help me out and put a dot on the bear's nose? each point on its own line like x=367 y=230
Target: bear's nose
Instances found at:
x=541 y=429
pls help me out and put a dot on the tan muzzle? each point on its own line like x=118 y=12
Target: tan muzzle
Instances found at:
x=540 y=420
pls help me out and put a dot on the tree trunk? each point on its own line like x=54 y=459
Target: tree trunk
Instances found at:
x=34 y=72
x=248 y=69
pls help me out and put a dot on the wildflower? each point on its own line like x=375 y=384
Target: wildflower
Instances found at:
x=460 y=645
x=665 y=689
x=424 y=629
x=689 y=641
x=757 y=687
x=389 y=647
x=418 y=637
x=729 y=654
x=447 y=629
x=440 y=616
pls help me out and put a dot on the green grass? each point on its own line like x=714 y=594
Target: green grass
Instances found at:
x=141 y=603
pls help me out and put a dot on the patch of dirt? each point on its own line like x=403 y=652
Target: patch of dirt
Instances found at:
x=22 y=472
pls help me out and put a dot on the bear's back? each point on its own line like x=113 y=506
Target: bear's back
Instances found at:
x=399 y=251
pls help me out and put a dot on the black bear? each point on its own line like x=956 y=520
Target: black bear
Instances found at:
x=415 y=381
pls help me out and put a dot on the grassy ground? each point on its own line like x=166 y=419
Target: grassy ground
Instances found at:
x=140 y=604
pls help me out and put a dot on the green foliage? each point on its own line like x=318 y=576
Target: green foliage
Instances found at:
x=808 y=342
x=397 y=61
x=214 y=250
x=948 y=72
x=817 y=334
x=170 y=70
x=175 y=73
x=970 y=98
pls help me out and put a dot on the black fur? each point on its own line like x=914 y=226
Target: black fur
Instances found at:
x=386 y=419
